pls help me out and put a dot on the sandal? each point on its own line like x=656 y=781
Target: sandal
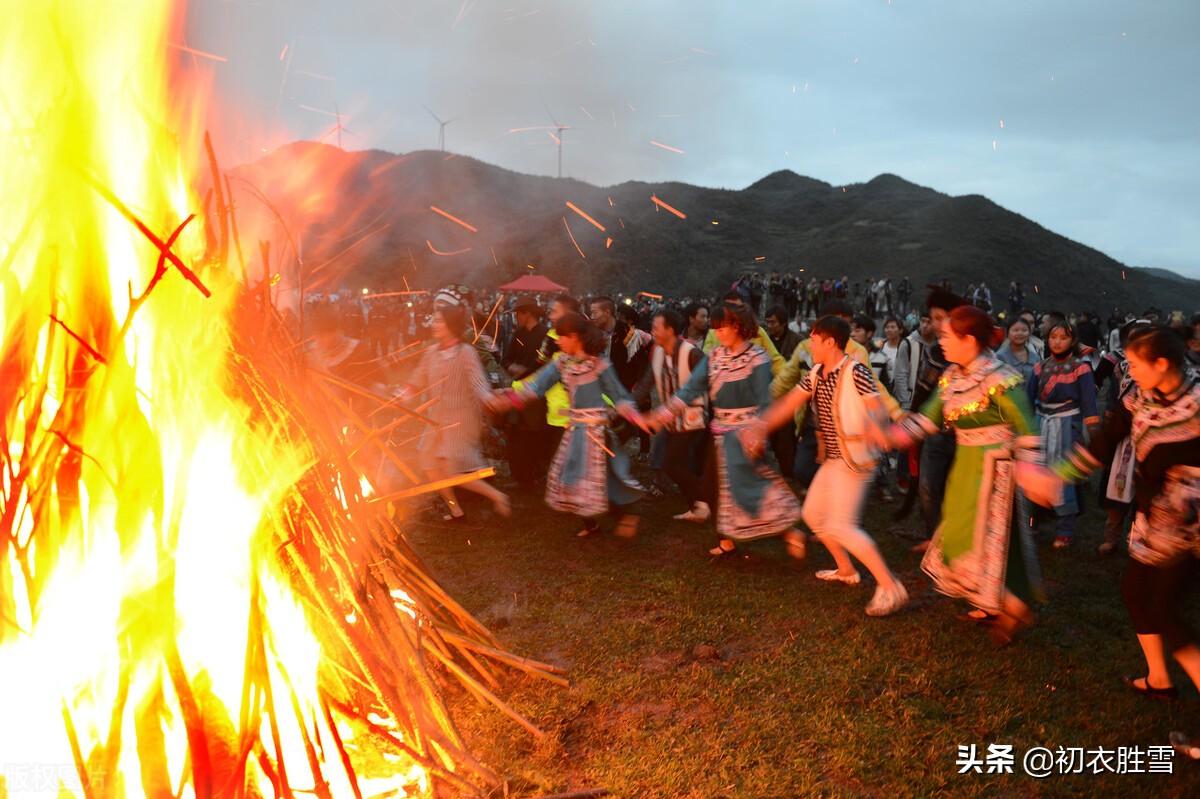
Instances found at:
x=723 y=548
x=834 y=576
x=1149 y=691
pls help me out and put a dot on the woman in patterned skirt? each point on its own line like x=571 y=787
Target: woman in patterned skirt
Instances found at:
x=450 y=371
x=1161 y=418
x=752 y=499
x=1063 y=392
x=590 y=472
x=977 y=552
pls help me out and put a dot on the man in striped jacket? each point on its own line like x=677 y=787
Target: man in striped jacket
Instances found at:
x=685 y=438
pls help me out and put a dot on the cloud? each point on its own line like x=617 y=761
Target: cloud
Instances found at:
x=1100 y=123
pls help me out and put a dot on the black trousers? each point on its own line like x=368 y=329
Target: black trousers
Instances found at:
x=685 y=459
x=527 y=436
x=1154 y=596
x=783 y=444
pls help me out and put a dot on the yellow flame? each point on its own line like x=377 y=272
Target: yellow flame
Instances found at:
x=172 y=481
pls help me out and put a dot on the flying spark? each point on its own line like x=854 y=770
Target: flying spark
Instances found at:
x=572 y=235
x=200 y=53
x=666 y=147
x=584 y=214
x=453 y=218
x=436 y=251
x=667 y=207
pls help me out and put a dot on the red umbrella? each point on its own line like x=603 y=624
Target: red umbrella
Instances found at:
x=534 y=284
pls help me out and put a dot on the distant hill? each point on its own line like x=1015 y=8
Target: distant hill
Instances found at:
x=366 y=220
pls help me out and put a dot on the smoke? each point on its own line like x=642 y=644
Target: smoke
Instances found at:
x=1098 y=144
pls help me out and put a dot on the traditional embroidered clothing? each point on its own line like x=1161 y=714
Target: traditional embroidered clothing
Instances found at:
x=752 y=499
x=1063 y=392
x=1165 y=433
x=972 y=554
x=456 y=376
x=590 y=470
x=1165 y=540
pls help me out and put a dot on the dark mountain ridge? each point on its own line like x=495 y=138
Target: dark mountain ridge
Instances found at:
x=366 y=220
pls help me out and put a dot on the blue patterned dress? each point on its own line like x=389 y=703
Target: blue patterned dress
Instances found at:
x=589 y=470
x=753 y=501
x=1063 y=392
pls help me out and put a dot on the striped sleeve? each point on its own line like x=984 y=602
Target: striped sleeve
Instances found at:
x=864 y=380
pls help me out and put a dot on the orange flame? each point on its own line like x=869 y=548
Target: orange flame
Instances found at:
x=127 y=585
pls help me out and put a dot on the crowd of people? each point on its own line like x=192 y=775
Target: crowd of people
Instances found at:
x=986 y=420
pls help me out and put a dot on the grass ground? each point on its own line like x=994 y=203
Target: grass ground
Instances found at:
x=747 y=677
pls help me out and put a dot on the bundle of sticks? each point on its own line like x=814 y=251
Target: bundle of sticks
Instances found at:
x=393 y=642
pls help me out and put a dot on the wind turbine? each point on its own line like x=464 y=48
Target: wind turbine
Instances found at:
x=559 y=128
x=441 y=127
x=337 y=128
x=338 y=125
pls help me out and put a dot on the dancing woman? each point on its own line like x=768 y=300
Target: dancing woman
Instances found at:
x=752 y=500
x=450 y=371
x=1063 y=392
x=590 y=472
x=973 y=555
x=1162 y=419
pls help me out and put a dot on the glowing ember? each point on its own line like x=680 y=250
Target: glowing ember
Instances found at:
x=660 y=204
x=584 y=214
x=436 y=251
x=186 y=606
x=572 y=236
x=453 y=218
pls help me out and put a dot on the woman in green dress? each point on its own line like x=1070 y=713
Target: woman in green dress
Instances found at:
x=978 y=553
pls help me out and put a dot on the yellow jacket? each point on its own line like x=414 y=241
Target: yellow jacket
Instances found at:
x=762 y=340
x=558 y=402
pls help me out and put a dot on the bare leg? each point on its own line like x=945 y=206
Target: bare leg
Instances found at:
x=499 y=498
x=1189 y=658
x=845 y=566
x=863 y=548
x=434 y=474
x=451 y=502
x=1157 y=675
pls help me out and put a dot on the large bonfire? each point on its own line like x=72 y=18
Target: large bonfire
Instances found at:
x=198 y=593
